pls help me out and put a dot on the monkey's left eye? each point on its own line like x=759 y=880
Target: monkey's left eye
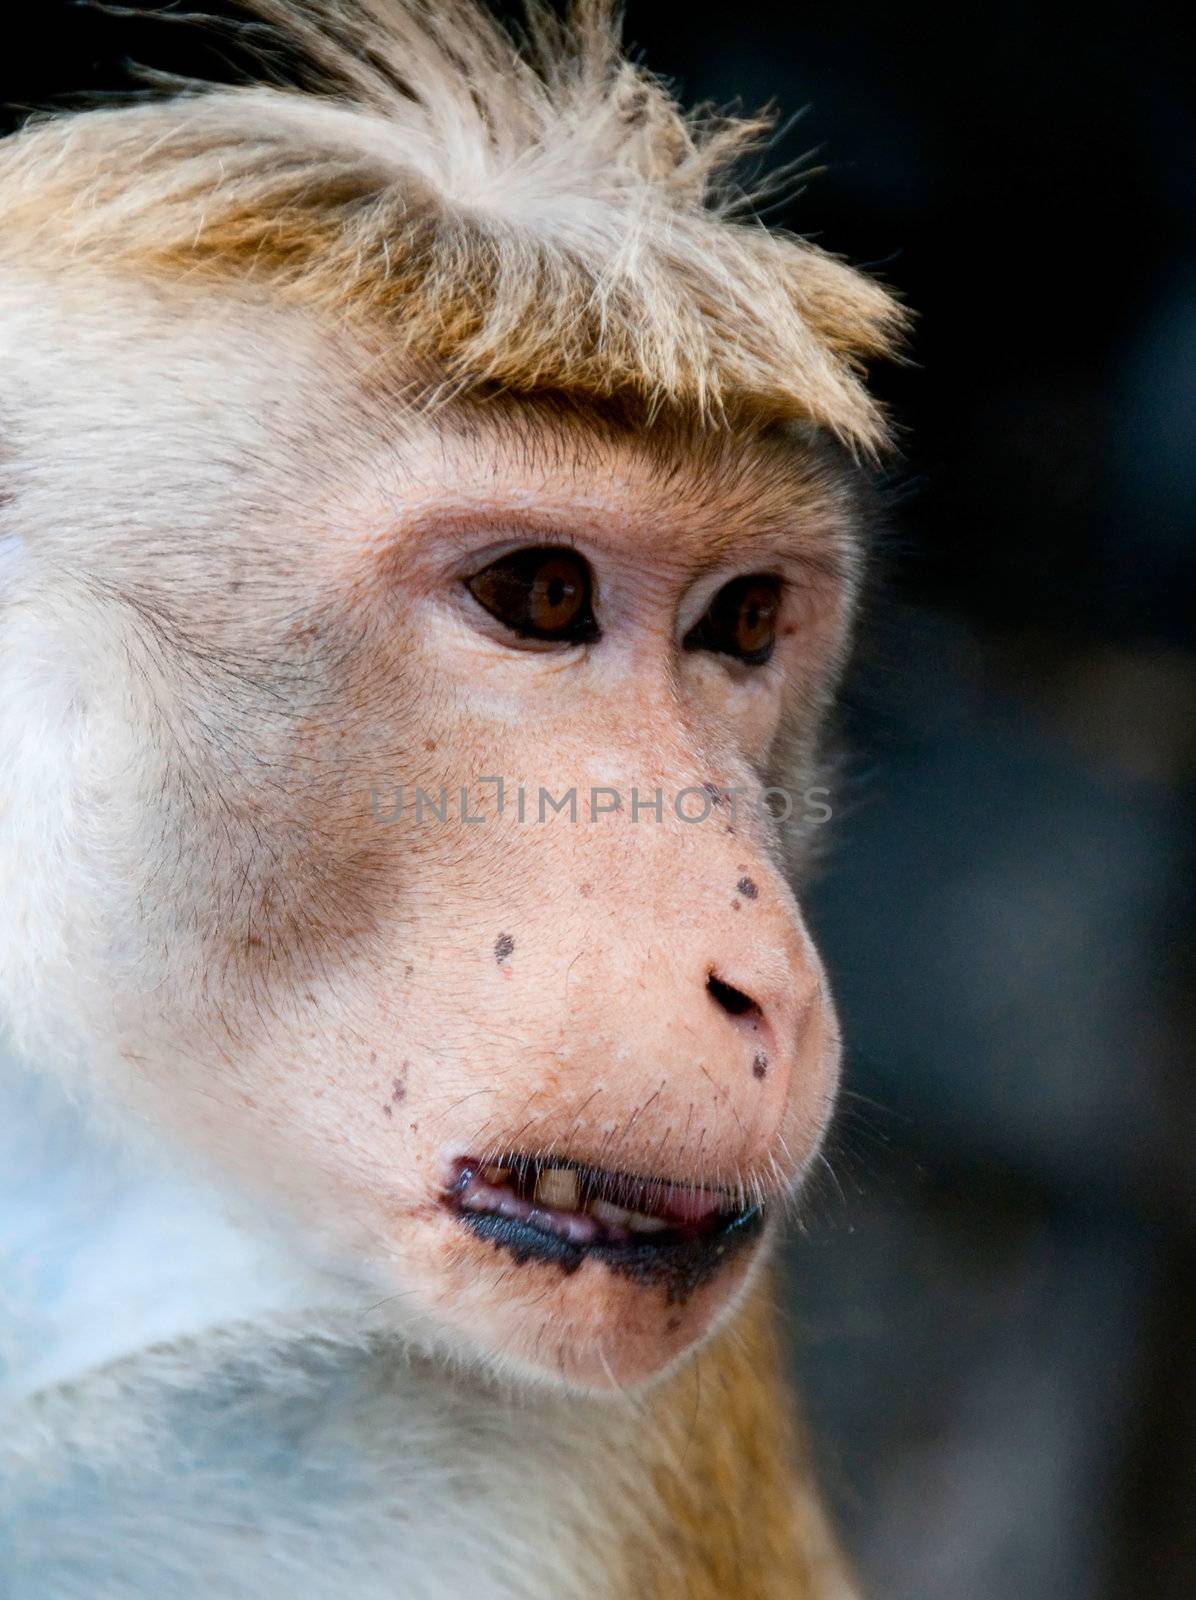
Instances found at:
x=741 y=620
x=541 y=593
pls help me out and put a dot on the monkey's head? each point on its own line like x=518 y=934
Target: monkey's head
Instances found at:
x=397 y=649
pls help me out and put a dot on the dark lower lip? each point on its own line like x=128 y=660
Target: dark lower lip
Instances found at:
x=678 y=1264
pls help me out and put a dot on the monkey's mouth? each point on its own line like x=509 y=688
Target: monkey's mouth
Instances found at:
x=563 y=1212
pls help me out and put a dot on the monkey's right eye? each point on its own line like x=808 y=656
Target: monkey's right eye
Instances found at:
x=541 y=593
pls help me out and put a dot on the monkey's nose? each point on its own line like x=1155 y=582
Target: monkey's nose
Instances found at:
x=770 y=1017
x=747 y=1018
x=732 y=1000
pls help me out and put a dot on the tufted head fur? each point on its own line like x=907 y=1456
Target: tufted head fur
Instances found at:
x=530 y=219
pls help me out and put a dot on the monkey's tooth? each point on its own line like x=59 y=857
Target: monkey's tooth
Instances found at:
x=638 y=1222
x=610 y=1216
x=496 y=1176
x=497 y=1205
x=577 y=1226
x=558 y=1188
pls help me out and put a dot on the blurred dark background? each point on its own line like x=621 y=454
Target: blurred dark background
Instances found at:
x=993 y=1301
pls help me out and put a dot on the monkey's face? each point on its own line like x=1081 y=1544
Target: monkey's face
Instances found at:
x=465 y=915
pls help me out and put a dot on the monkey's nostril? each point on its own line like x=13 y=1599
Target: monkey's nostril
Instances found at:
x=733 y=1001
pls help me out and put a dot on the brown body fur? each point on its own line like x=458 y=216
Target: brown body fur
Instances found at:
x=744 y=1518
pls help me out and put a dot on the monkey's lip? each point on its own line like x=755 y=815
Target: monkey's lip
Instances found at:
x=562 y=1211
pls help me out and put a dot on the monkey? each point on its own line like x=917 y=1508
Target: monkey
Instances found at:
x=430 y=538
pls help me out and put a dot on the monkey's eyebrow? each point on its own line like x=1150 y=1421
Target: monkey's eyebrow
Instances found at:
x=804 y=504
x=703 y=500
x=823 y=541
x=825 y=555
x=829 y=563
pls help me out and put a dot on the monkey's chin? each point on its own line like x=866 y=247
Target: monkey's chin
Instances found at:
x=597 y=1320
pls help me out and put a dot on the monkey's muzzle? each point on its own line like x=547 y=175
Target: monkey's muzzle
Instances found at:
x=652 y=1230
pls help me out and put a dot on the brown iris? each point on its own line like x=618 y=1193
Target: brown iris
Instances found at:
x=741 y=620
x=539 y=593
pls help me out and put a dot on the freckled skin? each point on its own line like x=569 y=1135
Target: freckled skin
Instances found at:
x=392 y=956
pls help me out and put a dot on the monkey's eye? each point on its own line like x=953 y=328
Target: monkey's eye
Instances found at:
x=539 y=594
x=741 y=620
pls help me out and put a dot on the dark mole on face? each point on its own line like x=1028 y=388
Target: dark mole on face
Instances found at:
x=503 y=946
x=760 y=1065
x=747 y=888
x=398 y=1091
